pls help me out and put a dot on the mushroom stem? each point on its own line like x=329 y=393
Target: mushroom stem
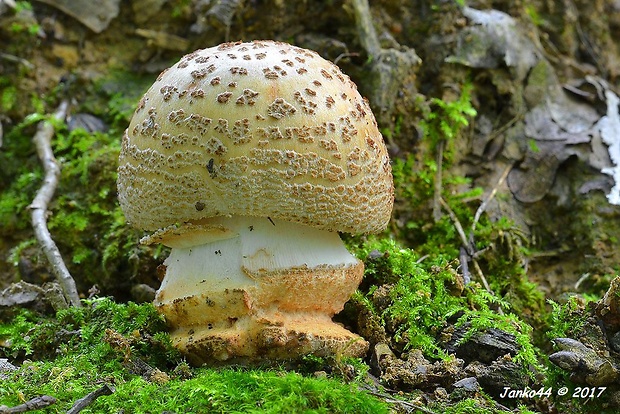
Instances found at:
x=258 y=288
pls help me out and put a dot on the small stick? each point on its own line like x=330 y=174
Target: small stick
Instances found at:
x=13 y=58
x=488 y=199
x=467 y=250
x=459 y=227
x=464 y=259
x=85 y=401
x=36 y=403
x=485 y=283
x=345 y=55
x=42 y=140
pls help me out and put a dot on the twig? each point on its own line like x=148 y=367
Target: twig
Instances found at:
x=464 y=259
x=17 y=59
x=505 y=127
x=345 y=55
x=42 y=140
x=405 y=404
x=85 y=401
x=467 y=251
x=459 y=228
x=485 y=283
x=421 y=259
x=487 y=200
x=438 y=182
x=387 y=398
x=36 y=403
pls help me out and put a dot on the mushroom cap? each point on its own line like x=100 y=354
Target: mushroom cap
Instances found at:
x=257 y=129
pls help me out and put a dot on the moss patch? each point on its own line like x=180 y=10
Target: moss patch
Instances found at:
x=106 y=342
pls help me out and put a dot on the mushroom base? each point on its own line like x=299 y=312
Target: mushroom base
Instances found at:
x=255 y=300
x=270 y=321
x=259 y=341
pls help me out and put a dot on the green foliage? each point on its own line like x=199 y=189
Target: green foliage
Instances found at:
x=567 y=319
x=18 y=27
x=414 y=187
x=85 y=221
x=428 y=294
x=16 y=252
x=22 y=6
x=82 y=347
x=81 y=331
x=121 y=108
x=210 y=390
x=447 y=119
x=180 y=8
x=534 y=15
x=252 y=391
x=467 y=406
x=8 y=97
x=88 y=160
x=425 y=289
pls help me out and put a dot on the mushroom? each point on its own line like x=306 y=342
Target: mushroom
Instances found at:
x=247 y=159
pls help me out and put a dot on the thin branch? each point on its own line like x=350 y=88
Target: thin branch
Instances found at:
x=467 y=251
x=345 y=55
x=17 y=59
x=485 y=283
x=457 y=226
x=87 y=400
x=487 y=200
x=42 y=140
x=505 y=127
x=464 y=259
x=36 y=403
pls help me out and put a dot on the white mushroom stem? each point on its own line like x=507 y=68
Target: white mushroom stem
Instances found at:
x=252 y=274
x=253 y=245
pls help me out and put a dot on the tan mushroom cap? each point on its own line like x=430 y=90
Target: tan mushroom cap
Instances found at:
x=261 y=129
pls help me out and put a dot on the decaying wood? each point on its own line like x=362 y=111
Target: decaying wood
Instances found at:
x=84 y=402
x=36 y=403
x=42 y=140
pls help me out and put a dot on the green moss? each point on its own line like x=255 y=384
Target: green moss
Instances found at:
x=8 y=96
x=567 y=319
x=85 y=221
x=427 y=294
x=80 y=349
x=428 y=291
x=81 y=330
x=447 y=119
x=505 y=248
x=217 y=391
